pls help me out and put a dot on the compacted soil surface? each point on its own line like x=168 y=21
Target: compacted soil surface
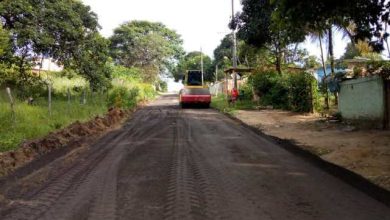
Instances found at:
x=365 y=152
x=172 y=163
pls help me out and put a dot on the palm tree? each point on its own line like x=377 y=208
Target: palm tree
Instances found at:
x=319 y=35
x=331 y=58
x=347 y=28
x=385 y=36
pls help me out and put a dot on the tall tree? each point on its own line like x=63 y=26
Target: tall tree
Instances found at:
x=223 y=53
x=258 y=28
x=5 y=45
x=92 y=61
x=324 y=15
x=54 y=29
x=5 y=53
x=192 y=61
x=324 y=69
x=146 y=44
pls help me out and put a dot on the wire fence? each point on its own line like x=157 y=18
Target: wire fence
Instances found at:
x=217 y=88
x=53 y=104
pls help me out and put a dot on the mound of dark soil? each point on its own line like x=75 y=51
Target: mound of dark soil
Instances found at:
x=30 y=150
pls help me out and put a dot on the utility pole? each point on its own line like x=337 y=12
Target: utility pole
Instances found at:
x=201 y=64
x=216 y=74
x=234 y=49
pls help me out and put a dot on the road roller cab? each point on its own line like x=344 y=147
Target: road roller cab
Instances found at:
x=194 y=91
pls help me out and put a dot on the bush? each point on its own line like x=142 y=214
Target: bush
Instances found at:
x=246 y=92
x=121 y=97
x=303 y=92
x=147 y=91
x=163 y=86
x=272 y=88
x=290 y=91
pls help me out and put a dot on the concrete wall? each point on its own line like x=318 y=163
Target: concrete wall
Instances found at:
x=362 y=99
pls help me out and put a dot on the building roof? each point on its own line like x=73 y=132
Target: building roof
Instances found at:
x=357 y=60
x=239 y=70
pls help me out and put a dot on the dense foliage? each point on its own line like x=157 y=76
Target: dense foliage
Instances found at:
x=192 y=61
x=128 y=88
x=121 y=97
x=147 y=45
x=223 y=52
x=257 y=27
x=292 y=91
x=64 y=30
x=321 y=15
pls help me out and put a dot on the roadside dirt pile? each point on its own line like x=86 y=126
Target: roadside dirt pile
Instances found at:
x=71 y=135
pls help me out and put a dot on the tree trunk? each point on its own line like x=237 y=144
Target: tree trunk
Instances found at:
x=279 y=62
x=331 y=52
x=295 y=51
x=40 y=67
x=278 y=54
x=331 y=57
x=387 y=43
x=325 y=75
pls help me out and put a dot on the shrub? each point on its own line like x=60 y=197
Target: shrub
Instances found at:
x=302 y=92
x=121 y=97
x=290 y=91
x=246 y=92
x=278 y=96
x=271 y=87
x=147 y=91
x=163 y=86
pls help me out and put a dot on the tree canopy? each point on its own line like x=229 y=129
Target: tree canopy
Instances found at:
x=60 y=30
x=192 y=61
x=320 y=15
x=258 y=28
x=92 y=61
x=224 y=50
x=146 y=44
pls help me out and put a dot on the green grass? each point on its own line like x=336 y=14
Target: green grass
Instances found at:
x=34 y=121
x=221 y=104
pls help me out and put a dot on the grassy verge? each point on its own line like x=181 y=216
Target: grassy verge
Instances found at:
x=221 y=104
x=34 y=121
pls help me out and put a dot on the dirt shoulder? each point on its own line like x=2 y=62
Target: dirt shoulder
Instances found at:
x=365 y=152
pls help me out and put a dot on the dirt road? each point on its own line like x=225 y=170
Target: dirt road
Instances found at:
x=169 y=163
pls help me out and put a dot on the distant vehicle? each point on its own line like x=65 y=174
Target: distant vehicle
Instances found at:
x=194 y=91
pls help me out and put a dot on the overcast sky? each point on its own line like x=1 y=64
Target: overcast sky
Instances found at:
x=201 y=23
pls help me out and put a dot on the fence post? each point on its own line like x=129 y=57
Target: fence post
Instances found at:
x=93 y=98
x=68 y=94
x=12 y=103
x=84 y=96
x=49 y=98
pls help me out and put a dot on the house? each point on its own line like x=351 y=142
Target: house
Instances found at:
x=360 y=62
x=226 y=85
x=366 y=101
x=319 y=73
